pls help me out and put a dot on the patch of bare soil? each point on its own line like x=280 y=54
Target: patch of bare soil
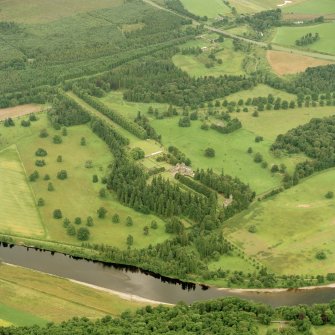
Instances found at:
x=19 y=111
x=290 y=63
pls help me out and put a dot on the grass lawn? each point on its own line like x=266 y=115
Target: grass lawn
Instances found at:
x=291 y=228
x=288 y=35
x=50 y=296
x=315 y=7
x=324 y=330
x=210 y=8
x=18 y=213
x=196 y=65
x=67 y=193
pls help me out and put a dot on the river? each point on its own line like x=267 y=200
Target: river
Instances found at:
x=133 y=281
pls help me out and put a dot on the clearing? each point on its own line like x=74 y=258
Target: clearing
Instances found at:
x=209 y=8
x=290 y=63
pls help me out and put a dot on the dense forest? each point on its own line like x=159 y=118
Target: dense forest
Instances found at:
x=316 y=140
x=229 y=316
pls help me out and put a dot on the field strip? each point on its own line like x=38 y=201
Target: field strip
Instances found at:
x=52 y=295
x=32 y=193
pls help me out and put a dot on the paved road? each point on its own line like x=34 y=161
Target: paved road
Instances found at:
x=258 y=43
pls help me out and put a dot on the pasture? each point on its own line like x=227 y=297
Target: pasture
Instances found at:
x=209 y=8
x=79 y=185
x=291 y=228
x=201 y=65
x=284 y=63
x=231 y=155
x=18 y=213
x=287 y=36
x=19 y=285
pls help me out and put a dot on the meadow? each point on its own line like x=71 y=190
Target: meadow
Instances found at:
x=291 y=228
x=210 y=8
x=19 y=285
x=28 y=221
x=197 y=65
x=288 y=35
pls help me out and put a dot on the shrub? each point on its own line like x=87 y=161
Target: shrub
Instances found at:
x=66 y=222
x=46 y=177
x=50 y=187
x=71 y=230
x=83 y=141
x=59 y=159
x=249 y=151
x=329 y=195
x=57 y=214
x=101 y=212
x=32 y=117
x=129 y=221
x=44 y=133
x=258 y=158
x=40 y=202
x=102 y=193
x=25 y=123
x=320 y=255
x=64 y=131
x=62 y=175
x=154 y=224
x=41 y=152
x=40 y=162
x=95 y=178
x=34 y=176
x=57 y=139
x=89 y=221
x=252 y=229
x=77 y=220
x=116 y=218
x=209 y=152
x=146 y=230
x=83 y=234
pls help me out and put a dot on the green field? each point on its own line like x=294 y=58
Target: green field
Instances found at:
x=18 y=213
x=288 y=35
x=30 y=297
x=291 y=228
x=231 y=149
x=251 y=6
x=79 y=184
x=36 y=11
x=196 y=65
x=314 y=7
x=210 y=8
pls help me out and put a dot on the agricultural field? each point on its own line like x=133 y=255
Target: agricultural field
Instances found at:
x=19 y=285
x=66 y=192
x=314 y=7
x=291 y=228
x=211 y=8
x=18 y=213
x=288 y=35
x=284 y=63
x=39 y=11
x=202 y=65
